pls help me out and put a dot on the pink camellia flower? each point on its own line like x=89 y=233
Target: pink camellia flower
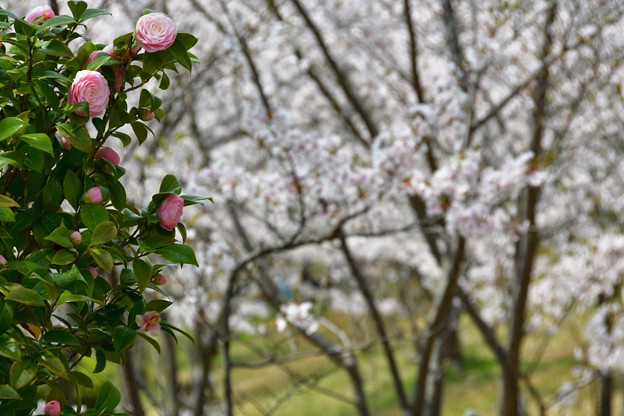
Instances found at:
x=160 y=279
x=109 y=154
x=155 y=32
x=76 y=237
x=89 y=86
x=43 y=12
x=149 y=322
x=52 y=408
x=93 y=272
x=93 y=196
x=170 y=211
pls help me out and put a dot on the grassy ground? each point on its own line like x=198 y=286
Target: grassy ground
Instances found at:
x=474 y=384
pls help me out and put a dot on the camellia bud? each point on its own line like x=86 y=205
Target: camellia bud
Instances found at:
x=93 y=272
x=76 y=237
x=93 y=196
x=3 y=260
x=146 y=115
x=109 y=154
x=160 y=279
x=52 y=408
x=66 y=144
x=169 y=211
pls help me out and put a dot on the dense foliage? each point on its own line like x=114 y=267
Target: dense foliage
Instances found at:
x=77 y=257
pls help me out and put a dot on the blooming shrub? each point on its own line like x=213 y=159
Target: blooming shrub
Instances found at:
x=72 y=247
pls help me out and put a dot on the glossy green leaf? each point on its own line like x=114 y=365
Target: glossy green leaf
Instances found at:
x=39 y=141
x=92 y=215
x=8 y=393
x=6 y=202
x=103 y=259
x=26 y=297
x=103 y=233
x=10 y=126
x=178 y=253
x=123 y=338
x=22 y=373
x=107 y=399
x=72 y=188
x=7 y=215
x=68 y=278
x=170 y=184
x=142 y=273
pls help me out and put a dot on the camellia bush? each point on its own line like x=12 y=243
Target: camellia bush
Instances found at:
x=77 y=257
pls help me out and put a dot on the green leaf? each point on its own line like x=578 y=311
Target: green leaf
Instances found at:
x=79 y=138
x=92 y=215
x=123 y=137
x=72 y=188
x=82 y=379
x=22 y=373
x=52 y=194
x=62 y=337
x=67 y=297
x=77 y=8
x=142 y=273
x=10 y=349
x=101 y=59
x=140 y=131
x=8 y=393
x=171 y=185
x=91 y=13
x=6 y=202
x=39 y=141
x=151 y=341
x=63 y=257
x=103 y=233
x=157 y=305
x=53 y=363
x=26 y=297
x=100 y=363
x=10 y=126
x=169 y=328
x=187 y=40
x=123 y=338
x=57 y=48
x=60 y=236
x=66 y=279
x=107 y=399
x=103 y=259
x=180 y=54
x=57 y=21
x=6 y=315
x=7 y=215
x=178 y=253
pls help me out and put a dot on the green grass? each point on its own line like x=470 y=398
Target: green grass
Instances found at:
x=475 y=384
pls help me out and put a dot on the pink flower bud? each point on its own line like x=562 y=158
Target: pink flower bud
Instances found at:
x=43 y=12
x=160 y=279
x=66 y=144
x=146 y=115
x=155 y=32
x=93 y=196
x=170 y=211
x=149 y=322
x=109 y=154
x=76 y=237
x=89 y=86
x=93 y=272
x=52 y=408
x=3 y=261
